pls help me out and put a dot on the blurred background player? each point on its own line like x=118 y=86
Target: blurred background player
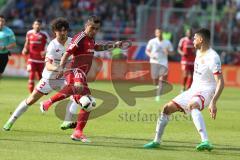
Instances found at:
x=35 y=46
x=206 y=89
x=82 y=49
x=158 y=50
x=55 y=50
x=187 y=51
x=7 y=41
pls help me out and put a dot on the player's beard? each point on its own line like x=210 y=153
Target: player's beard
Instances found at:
x=63 y=38
x=197 y=46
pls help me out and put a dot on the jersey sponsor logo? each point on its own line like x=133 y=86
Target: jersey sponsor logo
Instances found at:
x=199 y=73
x=90 y=50
x=39 y=37
x=35 y=42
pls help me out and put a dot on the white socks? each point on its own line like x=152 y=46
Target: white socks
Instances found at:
x=161 y=124
x=199 y=124
x=71 y=109
x=22 y=107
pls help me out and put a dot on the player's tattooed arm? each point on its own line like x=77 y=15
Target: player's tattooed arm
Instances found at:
x=63 y=61
x=50 y=66
x=62 y=64
x=220 y=85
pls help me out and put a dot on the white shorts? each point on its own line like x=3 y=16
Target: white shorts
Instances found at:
x=158 y=70
x=203 y=98
x=45 y=86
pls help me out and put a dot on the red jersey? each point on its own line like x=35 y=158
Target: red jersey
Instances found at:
x=36 y=44
x=82 y=50
x=186 y=45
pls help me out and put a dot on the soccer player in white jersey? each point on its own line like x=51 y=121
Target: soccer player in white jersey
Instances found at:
x=205 y=90
x=55 y=50
x=158 y=50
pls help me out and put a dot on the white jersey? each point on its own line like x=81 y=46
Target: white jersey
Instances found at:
x=156 y=48
x=55 y=51
x=204 y=69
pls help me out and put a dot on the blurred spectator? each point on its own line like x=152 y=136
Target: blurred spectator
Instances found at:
x=220 y=4
x=66 y=4
x=226 y=57
x=204 y=4
x=236 y=58
x=178 y=3
x=18 y=22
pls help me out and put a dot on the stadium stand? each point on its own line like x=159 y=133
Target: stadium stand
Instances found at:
x=120 y=18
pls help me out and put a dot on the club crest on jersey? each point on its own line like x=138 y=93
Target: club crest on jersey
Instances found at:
x=57 y=50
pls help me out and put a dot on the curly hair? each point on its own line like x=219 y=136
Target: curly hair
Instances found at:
x=59 y=23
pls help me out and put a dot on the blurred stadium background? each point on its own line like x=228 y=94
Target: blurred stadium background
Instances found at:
x=134 y=20
x=116 y=135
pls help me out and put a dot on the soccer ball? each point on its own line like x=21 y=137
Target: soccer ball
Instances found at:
x=87 y=103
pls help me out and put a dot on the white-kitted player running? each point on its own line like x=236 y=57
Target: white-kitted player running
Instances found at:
x=205 y=90
x=49 y=82
x=158 y=50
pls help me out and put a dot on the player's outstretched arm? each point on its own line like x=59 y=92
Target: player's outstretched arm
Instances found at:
x=107 y=46
x=220 y=85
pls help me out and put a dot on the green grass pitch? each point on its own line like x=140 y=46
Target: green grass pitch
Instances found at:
x=119 y=134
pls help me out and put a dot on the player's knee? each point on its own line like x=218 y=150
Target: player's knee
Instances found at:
x=79 y=87
x=193 y=105
x=167 y=109
x=30 y=100
x=155 y=82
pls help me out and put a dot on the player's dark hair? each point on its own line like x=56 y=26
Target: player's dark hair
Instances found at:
x=59 y=23
x=2 y=16
x=205 y=33
x=38 y=20
x=94 y=19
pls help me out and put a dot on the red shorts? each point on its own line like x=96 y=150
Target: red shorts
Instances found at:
x=188 y=67
x=77 y=75
x=35 y=68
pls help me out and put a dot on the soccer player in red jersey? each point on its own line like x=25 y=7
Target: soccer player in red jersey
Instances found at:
x=35 y=47
x=187 y=52
x=81 y=49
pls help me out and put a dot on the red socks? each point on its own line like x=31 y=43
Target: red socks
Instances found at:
x=30 y=86
x=185 y=81
x=189 y=82
x=82 y=120
x=64 y=93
